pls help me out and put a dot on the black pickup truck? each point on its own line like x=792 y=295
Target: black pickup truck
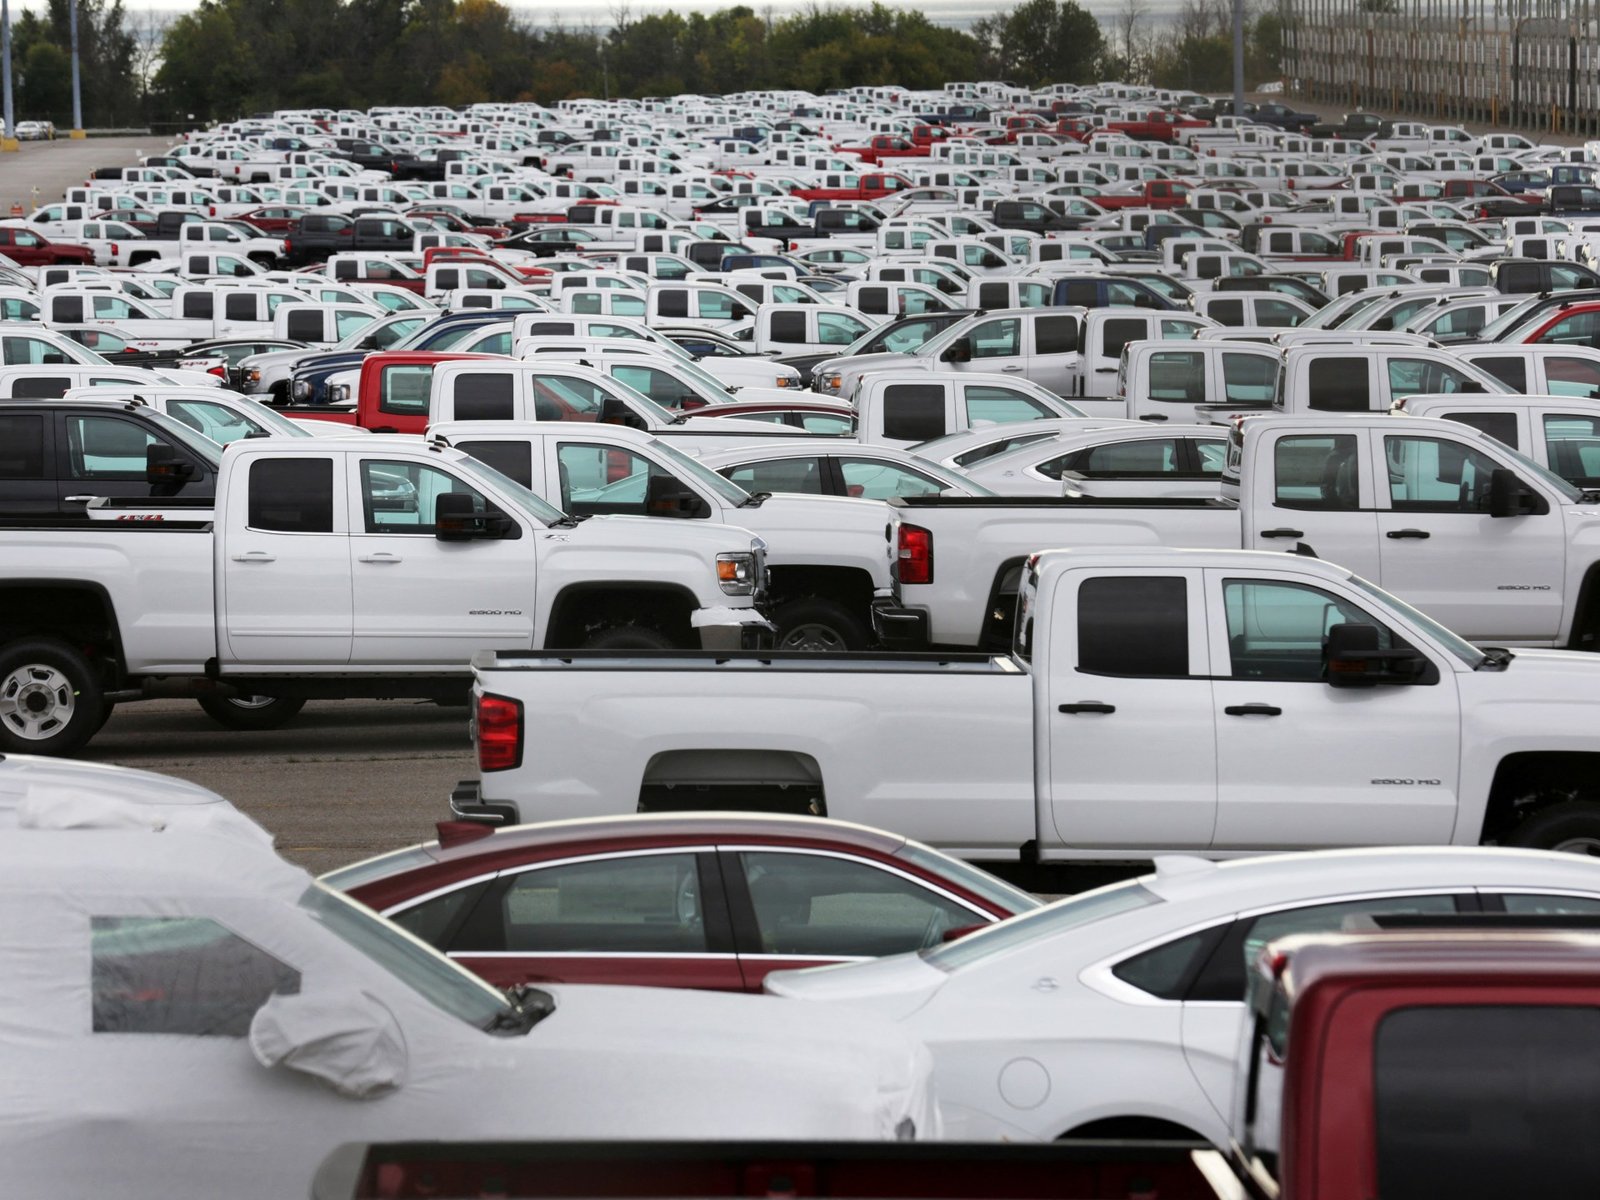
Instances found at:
x=318 y=235
x=1359 y=125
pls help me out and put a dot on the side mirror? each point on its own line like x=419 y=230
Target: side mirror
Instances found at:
x=1510 y=497
x=959 y=351
x=345 y=1038
x=668 y=496
x=457 y=519
x=1351 y=658
x=165 y=469
x=614 y=411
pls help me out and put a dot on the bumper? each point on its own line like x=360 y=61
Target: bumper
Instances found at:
x=467 y=804
x=899 y=628
x=731 y=629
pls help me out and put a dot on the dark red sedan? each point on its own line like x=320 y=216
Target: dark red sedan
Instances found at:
x=27 y=249
x=695 y=900
x=276 y=220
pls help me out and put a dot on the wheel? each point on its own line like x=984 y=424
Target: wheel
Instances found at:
x=818 y=625
x=629 y=637
x=50 y=701
x=250 y=712
x=1572 y=826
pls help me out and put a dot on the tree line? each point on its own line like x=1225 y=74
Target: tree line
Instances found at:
x=230 y=58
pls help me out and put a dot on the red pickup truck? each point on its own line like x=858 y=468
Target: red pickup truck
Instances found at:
x=392 y=395
x=1155 y=126
x=885 y=146
x=1156 y=193
x=927 y=135
x=865 y=187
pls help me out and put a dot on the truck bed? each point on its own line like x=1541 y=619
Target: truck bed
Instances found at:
x=743 y=660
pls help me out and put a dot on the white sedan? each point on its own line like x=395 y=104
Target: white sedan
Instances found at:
x=1163 y=462
x=1117 y=1013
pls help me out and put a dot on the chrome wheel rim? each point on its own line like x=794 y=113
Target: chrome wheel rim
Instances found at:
x=812 y=638
x=37 y=702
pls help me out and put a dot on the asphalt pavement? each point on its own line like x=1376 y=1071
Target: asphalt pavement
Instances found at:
x=343 y=781
x=41 y=172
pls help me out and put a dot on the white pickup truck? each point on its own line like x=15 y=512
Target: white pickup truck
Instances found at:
x=373 y=567
x=1211 y=702
x=1444 y=516
x=831 y=559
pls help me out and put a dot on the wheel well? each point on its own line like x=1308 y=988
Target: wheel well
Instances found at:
x=1586 y=613
x=262 y=257
x=1133 y=1129
x=79 y=614
x=848 y=585
x=782 y=781
x=1000 y=614
x=580 y=611
x=1526 y=782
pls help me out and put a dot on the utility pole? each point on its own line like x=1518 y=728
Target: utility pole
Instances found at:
x=8 y=131
x=77 y=103
x=1238 y=58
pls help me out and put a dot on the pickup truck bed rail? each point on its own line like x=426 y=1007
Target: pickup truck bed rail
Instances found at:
x=743 y=660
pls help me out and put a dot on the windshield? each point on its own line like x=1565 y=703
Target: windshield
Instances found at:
x=1570 y=492
x=979 y=882
x=1040 y=923
x=415 y=964
x=530 y=503
x=1452 y=642
x=1512 y=317
x=693 y=468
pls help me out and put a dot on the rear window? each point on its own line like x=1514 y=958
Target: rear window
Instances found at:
x=914 y=412
x=292 y=495
x=1485 y=1102
x=485 y=396
x=1338 y=385
x=21 y=447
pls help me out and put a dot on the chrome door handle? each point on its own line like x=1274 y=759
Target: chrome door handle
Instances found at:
x=255 y=556
x=77 y=499
x=383 y=556
x=1011 y=369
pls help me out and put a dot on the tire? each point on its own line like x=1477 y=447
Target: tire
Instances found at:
x=252 y=712
x=629 y=637
x=1572 y=826
x=50 y=701
x=818 y=625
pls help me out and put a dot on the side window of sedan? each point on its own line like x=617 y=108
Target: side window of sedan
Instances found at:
x=1225 y=971
x=804 y=475
x=631 y=904
x=820 y=906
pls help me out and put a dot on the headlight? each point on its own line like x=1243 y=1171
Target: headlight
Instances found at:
x=738 y=573
x=339 y=393
x=253 y=375
x=830 y=381
x=300 y=389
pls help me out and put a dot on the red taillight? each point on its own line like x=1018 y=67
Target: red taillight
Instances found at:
x=498 y=724
x=113 y=249
x=916 y=554
x=219 y=372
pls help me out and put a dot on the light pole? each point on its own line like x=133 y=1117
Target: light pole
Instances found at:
x=8 y=131
x=77 y=104
x=1238 y=59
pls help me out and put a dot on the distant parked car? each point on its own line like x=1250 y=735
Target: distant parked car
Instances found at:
x=688 y=900
x=35 y=131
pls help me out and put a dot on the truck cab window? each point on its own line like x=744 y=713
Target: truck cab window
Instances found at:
x=291 y=495
x=1434 y=475
x=1276 y=630
x=1339 y=385
x=914 y=412
x=399 y=497
x=1316 y=472
x=1134 y=626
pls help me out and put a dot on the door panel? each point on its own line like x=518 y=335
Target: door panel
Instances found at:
x=1273 y=708
x=422 y=602
x=1113 y=636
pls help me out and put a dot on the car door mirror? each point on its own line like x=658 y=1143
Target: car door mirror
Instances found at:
x=1351 y=657
x=959 y=351
x=343 y=1037
x=165 y=468
x=669 y=496
x=615 y=411
x=1509 y=496
x=456 y=518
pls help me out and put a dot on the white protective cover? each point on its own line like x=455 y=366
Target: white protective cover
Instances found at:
x=116 y=931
